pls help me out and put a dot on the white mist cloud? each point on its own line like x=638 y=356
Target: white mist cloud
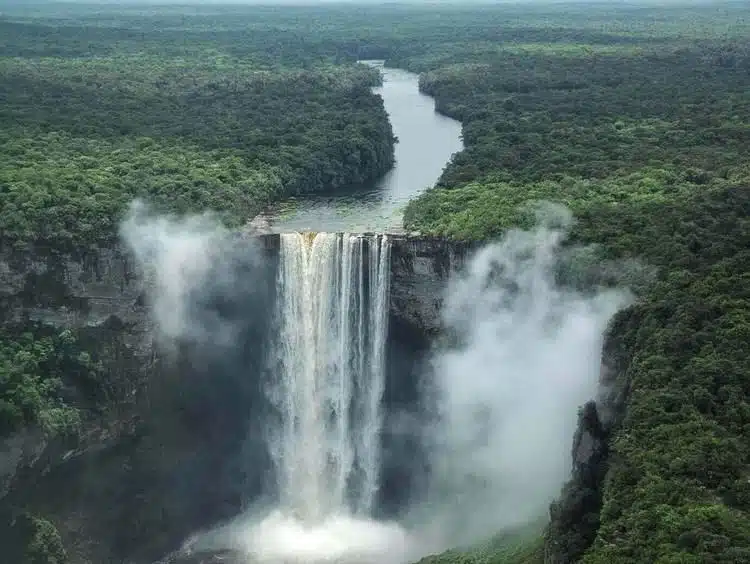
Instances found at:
x=508 y=394
x=526 y=357
x=178 y=257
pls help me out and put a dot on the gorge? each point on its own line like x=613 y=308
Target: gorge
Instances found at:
x=292 y=380
x=190 y=413
x=170 y=393
x=296 y=381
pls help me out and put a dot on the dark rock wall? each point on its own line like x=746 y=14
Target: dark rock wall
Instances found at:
x=420 y=268
x=96 y=288
x=574 y=517
x=98 y=293
x=173 y=454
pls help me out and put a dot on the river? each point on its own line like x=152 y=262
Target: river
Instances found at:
x=426 y=142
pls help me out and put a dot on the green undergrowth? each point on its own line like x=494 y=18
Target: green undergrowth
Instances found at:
x=524 y=545
x=47 y=380
x=677 y=489
x=28 y=539
x=485 y=209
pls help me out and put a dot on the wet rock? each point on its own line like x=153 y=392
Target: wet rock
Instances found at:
x=420 y=267
x=259 y=225
x=574 y=517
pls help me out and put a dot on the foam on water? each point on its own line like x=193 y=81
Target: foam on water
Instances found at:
x=338 y=539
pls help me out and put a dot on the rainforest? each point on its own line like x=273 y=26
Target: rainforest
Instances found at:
x=124 y=437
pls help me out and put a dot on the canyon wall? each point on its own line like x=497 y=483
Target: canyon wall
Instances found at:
x=98 y=293
x=171 y=451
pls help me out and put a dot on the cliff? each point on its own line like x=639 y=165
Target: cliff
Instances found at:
x=97 y=293
x=161 y=412
x=74 y=290
x=575 y=515
x=190 y=411
x=419 y=268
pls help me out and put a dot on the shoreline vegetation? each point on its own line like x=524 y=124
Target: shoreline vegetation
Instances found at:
x=635 y=117
x=81 y=138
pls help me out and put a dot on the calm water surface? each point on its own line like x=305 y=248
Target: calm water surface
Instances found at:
x=426 y=142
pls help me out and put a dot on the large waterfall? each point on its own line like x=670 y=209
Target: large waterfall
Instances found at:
x=325 y=383
x=329 y=372
x=499 y=408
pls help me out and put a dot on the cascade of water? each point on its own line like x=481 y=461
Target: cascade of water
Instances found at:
x=332 y=324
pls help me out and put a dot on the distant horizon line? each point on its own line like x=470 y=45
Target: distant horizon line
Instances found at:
x=378 y=2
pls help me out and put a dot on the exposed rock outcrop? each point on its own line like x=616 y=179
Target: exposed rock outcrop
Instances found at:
x=190 y=413
x=98 y=292
x=75 y=290
x=420 y=267
x=172 y=455
x=574 y=517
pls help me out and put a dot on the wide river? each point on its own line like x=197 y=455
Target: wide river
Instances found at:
x=426 y=142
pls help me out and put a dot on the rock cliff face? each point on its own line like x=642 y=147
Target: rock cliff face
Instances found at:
x=98 y=293
x=164 y=457
x=171 y=455
x=67 y=290
x=420 y=267
x=574 y=517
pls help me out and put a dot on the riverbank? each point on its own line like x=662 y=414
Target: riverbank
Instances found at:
x=426 y=141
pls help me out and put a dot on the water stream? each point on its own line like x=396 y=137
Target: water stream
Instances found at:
x=330 y=372
x=426 y=142
x=327 y=353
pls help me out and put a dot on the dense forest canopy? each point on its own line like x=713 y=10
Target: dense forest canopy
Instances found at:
x=636 y=117
x=185 y=124
x=643 y=130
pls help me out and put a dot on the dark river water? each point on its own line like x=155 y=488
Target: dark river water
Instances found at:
x=426 y=142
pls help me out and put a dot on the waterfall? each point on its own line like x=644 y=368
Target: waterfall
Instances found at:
x=329 y=372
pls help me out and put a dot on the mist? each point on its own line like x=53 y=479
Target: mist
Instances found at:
x=176 y=256
x=519 y=356
x=200 y=278
x=525 y=356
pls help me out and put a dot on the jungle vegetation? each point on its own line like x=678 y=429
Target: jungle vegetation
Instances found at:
x=635 y=117
x=85 y=128
x=645 y=135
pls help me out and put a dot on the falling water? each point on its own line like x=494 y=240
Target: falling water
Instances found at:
x=527 y=351
x=326 y=382
x=329 y=376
